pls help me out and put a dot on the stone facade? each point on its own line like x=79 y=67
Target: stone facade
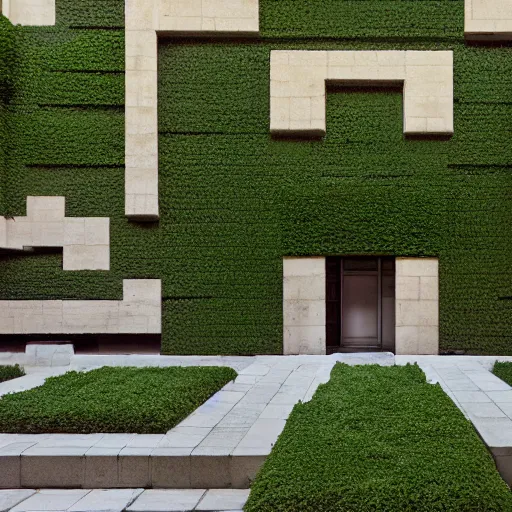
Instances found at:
x=138 y=313
x=298 y=86
x=488 y=20
x=144 y=19
x=85 y=241
x=304 y=306
x=417 y=306
x=29 y=12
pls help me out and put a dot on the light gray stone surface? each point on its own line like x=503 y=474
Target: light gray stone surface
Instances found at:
x=106 y=500
x=51 y=500
x=10 y=498
x=167 y=500
x=223 y=499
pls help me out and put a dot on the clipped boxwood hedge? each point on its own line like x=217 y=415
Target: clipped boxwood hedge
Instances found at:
x=112 y=399
x=10 y=372
x=234 y=200
x=378 y=439
x=503 y=370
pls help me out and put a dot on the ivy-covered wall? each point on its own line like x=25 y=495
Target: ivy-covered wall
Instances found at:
x=234 y=200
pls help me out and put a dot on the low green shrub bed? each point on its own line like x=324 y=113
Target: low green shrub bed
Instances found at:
x=11 y=372
x=503 y=371
x=131 y=400
x=378 y=439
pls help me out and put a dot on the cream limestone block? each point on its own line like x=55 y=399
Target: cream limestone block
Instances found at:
x=407 y=287
x=141 y=181
x=429 y=288
x=46 y=208
x=85 y=241
x=74 y=231
x=304 y=312
x=488 y=20
x=298 y=82
x=97 y=231
x=300 y=340
x=3 y=232
x=422 y=267
x=142 y=290
x=304 y=305
x=47 y=234
x=141 y=88
x=304 y=288
x=406 y=340
x=140 y=15
x=138 y=312
x=181 y=8
x=305 y=267
x=86 y=257
x=29 y=12
x=141 y=50
x=417 y=306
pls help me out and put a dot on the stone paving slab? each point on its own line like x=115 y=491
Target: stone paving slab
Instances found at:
x=11 y=498
x=119 y=500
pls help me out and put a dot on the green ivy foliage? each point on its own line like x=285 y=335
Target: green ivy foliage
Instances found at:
x=112 y=399
x=234 y=201
x=378 y=438
x=10 y=372
x=503 y=370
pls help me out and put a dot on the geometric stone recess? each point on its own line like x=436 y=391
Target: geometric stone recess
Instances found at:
x=304 y=306
x=488 y=20
x=29 y=12
x=138 y=313
x=144 y=19
x=298 y=87
x=417 y=306
x=85 y=240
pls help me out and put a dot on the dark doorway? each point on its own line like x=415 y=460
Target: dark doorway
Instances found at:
x=360 y=308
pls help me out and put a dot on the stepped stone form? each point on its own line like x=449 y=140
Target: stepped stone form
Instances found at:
x=298 y=86
x=144 y=19
x=488 y=20
x=138 y=313
x=85 y=241
x=29 y=12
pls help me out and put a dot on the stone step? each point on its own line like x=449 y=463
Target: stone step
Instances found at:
x=71 y=467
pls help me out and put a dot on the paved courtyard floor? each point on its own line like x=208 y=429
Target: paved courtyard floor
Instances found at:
x=118 y=500
x=225 y=441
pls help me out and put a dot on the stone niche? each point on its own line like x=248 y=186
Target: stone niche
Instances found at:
x=298 y=87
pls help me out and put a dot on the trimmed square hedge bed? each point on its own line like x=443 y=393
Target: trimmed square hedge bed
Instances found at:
x=379 y=439
x=10 y=372
x=112 y=400
x=503 y=370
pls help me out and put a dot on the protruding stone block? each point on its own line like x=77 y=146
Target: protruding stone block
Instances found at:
x=304 y=314
x=298 y=79
x=417 y=306
x=29 y=12
x=488 y=20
